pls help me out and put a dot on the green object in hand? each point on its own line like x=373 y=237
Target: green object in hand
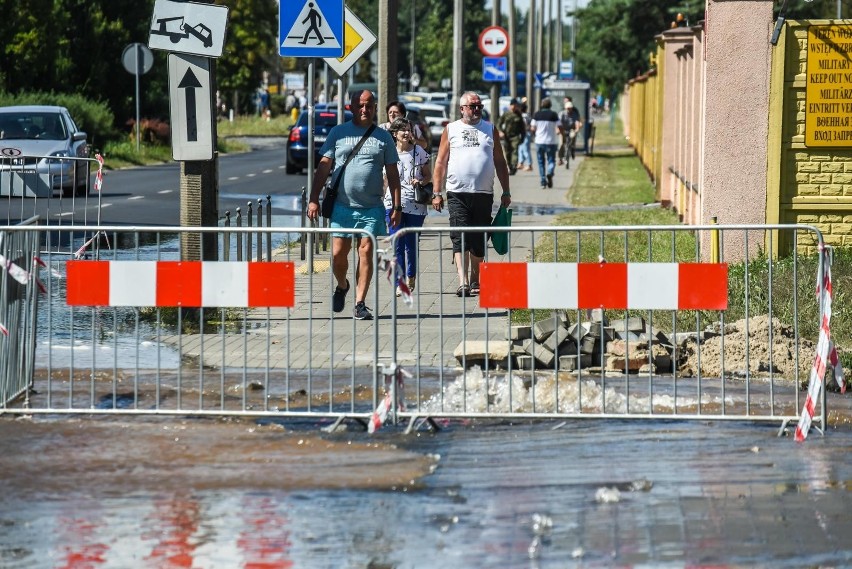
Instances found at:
x=500 y=240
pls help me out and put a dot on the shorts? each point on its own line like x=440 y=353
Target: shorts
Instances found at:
x=371 y=219
x=469 y=210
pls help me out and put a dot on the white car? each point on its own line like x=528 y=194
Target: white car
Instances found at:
x=436 y=116
x=41 y=150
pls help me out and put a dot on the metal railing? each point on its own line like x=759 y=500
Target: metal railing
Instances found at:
x=745 y=363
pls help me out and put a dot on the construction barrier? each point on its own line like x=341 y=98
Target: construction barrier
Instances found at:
x=628 y=322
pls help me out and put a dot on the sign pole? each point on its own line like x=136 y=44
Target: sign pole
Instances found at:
x=138 y=56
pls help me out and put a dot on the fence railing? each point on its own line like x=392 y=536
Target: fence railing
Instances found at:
x=128 y=326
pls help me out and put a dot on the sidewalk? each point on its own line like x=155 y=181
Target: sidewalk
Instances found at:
x=312 y=337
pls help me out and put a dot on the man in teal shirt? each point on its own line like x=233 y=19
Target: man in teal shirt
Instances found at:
x=359 y=202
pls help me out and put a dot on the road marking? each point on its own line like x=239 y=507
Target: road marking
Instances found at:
x=281 y=167
x=165 y=191
x=232 y=178
x=250 y=175
x=136 y=198
x=267 y=171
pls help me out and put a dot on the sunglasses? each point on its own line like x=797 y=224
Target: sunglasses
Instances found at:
x=472 y=107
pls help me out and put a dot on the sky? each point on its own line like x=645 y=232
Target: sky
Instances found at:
x=524 y=5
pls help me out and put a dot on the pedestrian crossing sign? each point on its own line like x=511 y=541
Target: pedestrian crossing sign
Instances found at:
x=315 y=30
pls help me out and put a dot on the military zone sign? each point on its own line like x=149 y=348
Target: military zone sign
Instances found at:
x=828 y=116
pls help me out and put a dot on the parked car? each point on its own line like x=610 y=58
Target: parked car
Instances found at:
x=325 y=119
x=42 y=146
x=436 y=116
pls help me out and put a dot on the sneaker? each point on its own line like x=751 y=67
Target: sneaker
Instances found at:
x=550 y=180
x=528 y=169
x=338 y=299
x=361 y=312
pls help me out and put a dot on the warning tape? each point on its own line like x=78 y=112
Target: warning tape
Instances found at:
x=825 y=353
x=99 y=176
x=396 y=276
x=393 y=373
x=21 y=275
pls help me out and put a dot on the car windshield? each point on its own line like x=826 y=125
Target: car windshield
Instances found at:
x=23 y=126
x=429 y=113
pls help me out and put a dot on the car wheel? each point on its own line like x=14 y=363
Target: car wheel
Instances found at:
x=82 y=189
x=292 y=168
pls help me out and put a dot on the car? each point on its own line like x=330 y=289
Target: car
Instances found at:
x=436 y=116
x=325 y=119
x=42 y=146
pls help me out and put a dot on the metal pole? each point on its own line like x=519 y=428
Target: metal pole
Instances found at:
x=539 y=38
x=388 y=50
x=311 y=121
x=560 y=19
x=411 y=70
x=458 y=57
x=495 y=86
x=547 y=35
x=138 y=56
x=530 y=57
x=513 y=66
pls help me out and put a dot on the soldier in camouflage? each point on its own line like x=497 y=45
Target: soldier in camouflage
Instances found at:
x=513 y=129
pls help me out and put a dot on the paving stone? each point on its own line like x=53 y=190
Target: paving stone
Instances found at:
x=521 y=332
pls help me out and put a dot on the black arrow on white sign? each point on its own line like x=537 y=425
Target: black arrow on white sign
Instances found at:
x=190 y=83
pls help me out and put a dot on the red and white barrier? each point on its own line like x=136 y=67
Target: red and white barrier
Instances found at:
x=825 y=354
x=654 y=286
x=180 y=283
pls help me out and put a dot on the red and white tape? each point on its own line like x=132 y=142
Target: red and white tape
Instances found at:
x=393 y=373
x=99 y=176
x=396 y=276
x=825 y=354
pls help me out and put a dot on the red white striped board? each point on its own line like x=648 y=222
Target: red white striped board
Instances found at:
x=180 y=283
x=652 y=286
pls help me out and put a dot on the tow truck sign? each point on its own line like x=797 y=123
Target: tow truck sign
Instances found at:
x=188 y=27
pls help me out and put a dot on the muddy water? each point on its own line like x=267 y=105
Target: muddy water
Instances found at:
x=204 y=493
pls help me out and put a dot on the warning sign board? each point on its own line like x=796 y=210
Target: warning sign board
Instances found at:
x=828 y=104
x=357 y=40
x=314 y=31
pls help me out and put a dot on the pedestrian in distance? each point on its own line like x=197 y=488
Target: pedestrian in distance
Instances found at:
x=469 y=156
x=413 y=170
x=546 y=126
x=571 y=123
x=512 y=131
x=396 y=110
x=359 y=203
x=524 y=153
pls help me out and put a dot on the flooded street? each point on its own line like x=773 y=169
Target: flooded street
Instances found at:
x=147 y=492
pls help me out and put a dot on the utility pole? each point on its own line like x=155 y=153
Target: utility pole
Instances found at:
x=531 y=107
x=458 y=57
x=495 y=86
x=411 y=70
x=513 y=66
x=547 y=35
x=388 y=44
x=560 y=18
x=539 y=39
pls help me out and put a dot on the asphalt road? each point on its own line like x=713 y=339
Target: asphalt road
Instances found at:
x=150 y=195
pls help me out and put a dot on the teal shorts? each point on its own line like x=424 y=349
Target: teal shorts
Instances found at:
x=371 y=219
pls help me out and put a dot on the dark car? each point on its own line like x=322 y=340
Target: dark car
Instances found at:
x=297 y=144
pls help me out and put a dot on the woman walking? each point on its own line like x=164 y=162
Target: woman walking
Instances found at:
x=414 y=171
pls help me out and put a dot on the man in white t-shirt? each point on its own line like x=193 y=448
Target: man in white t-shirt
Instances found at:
x=469 y=156
x=545 y=124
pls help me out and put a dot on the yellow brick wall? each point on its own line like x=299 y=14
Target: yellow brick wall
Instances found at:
x=815 y=183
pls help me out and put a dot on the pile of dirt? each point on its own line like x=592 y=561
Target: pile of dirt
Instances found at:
x=747 y=347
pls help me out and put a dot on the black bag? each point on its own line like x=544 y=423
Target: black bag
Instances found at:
x=327 y=207
x=423 y=193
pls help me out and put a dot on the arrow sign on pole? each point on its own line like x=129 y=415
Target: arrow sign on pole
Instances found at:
x=191 y=107
x=190 y=83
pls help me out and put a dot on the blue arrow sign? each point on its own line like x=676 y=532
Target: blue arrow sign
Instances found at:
x=494 y=69
x=315 y=30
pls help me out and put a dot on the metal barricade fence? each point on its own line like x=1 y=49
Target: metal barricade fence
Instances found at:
x=18 y=309
x=122 y=328
x=126 y=327
x=58 y=189
x=601 y=333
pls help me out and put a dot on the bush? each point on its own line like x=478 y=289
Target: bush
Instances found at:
x=94 y=117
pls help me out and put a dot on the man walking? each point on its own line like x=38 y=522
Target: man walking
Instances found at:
x=545 y=124
x=512 y=130
x=359 y=203
x=469 y=155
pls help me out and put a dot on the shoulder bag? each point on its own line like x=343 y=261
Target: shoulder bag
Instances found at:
x=331 y=188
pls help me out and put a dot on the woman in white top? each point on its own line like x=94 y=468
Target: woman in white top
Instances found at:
x=397 y=110
x=414 y=171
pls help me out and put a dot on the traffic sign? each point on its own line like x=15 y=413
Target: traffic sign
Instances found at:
x=566 y=69
x=191 y=109
x=188 y=27
x=137 y=59
x=357 y=40
x=538 y=83
x=315 y=30
x=494 y=69
x=494 y=41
